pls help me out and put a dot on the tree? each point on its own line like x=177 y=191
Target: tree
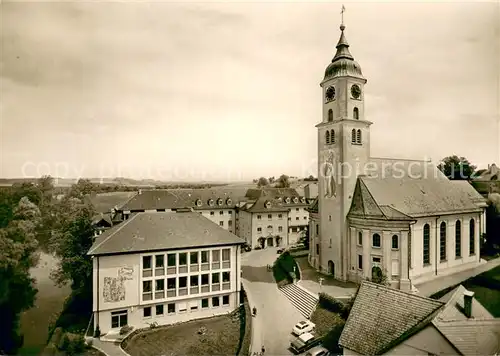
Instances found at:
x=82 y=188
x=262 y=182
x=457 y=168
x=305 y=238
x=271 y=180
x=493 y=224
x=17 y=255
x=283 y=182
x=71 y=242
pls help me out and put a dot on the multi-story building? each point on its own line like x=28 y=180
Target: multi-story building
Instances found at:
x=218 y=205
x=241 y=211
x=164 y=268
x=272 y=217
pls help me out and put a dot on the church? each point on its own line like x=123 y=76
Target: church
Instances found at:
x=383 y=218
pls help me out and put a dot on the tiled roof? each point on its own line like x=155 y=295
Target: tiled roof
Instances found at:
x=162 y=231
x=271 y=193
x=314 y=207
x=479 y=335
x=492 y=173
x=364 y=206
x=104 y=202
x=473 y=336
x=220 y=198
x=265 y=204
x=453 y=310
x=102 y=217
x=185 y=198
x=381 y=316
x=412 y=188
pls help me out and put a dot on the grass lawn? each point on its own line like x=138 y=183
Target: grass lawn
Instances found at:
x=488 y=297
x=325 y=320
x=222 y=337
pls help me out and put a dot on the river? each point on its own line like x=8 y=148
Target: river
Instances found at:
x=49 y=302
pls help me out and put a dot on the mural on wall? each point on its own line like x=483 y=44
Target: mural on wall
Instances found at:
x=328 y=171
x=114 y=287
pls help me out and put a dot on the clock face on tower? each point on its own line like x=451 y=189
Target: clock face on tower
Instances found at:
x=355 y=91
x=330 y=94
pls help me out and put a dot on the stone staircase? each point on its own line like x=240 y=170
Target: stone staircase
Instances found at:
x=304 y=301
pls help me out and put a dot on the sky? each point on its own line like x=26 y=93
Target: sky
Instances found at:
x=230 y=90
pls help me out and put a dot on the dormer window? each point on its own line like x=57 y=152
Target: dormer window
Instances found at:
x=358 y=137
x=330 y=115
x=353 y=136
x=332 y=136
x=355 y=114
x=327 y=137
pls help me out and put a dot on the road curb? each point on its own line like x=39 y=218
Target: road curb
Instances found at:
x=254 y=327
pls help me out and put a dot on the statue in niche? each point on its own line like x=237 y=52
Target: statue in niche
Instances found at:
x=328 y=171
x=114 y=287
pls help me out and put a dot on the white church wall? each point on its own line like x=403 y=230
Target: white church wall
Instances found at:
x=420 y=272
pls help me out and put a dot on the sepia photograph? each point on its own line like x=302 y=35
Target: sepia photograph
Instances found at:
x=249 y=178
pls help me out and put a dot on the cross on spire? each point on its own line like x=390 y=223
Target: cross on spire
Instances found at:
x=342 y=17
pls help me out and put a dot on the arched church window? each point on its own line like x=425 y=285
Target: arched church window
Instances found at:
x=442 y=241
x=427 y=244
x=355 y=114
x=327 y=137
x=376 y=240
x=330 y=115
x=472 y=239
x=353 y=136
x=332 y=136
x=395 y=242
x=358 y=136
x=458 y=239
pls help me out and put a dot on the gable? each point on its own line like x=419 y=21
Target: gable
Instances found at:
x=397 y=316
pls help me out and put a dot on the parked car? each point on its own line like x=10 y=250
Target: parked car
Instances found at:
x=304 y=342
x=296 y=247
x=280 y=250
x=318 y=351
x=302 y=327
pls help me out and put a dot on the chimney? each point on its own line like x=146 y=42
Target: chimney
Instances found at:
x=468 y=296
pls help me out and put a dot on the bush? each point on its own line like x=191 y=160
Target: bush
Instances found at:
x=331 y=340
x=125 y=329
x=329 y=303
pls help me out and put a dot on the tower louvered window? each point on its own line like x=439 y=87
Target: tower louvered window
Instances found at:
x=332 y=136
x=358 y=136
x=353 y=136
x=327 y=137
x=355 y=114
x=330 y=115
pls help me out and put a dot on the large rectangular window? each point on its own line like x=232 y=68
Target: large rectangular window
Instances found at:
x=182 y=259
x=427 y=241
x=442 y=241
x=204 y=256
x=119 y=318
x=159 y=288
x=171 y=260
x=147 y=290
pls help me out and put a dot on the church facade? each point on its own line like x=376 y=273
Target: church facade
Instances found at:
x=398 y=219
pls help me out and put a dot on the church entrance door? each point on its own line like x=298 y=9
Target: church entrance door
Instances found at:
x=376 y=274
x=331 y=268
x=270 y=242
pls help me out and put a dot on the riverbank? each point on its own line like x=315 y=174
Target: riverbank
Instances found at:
x=48 y=304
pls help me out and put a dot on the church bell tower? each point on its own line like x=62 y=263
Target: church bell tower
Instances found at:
x=343 y=152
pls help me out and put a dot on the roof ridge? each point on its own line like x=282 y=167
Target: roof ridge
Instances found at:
x=399 y=211
x=403 y=159
x=376 y=285
x=128 y=200
x=121 y=226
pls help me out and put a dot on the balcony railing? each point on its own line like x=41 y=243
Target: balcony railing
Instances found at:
x=147 y=272
x=193 y=268
x=147 y=296
x=205 y=266
x=171 y=270
x=215 y=265
x=215 y=287
x=171 y=293
x=183 y=269
x=226 y=286
x=205 y=289
x=183 y=291
x=226 y=264
x=194 y=290
x=159 y=294
x=159 y=271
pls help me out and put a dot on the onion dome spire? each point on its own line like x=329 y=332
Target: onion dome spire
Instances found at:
x=343 y=63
